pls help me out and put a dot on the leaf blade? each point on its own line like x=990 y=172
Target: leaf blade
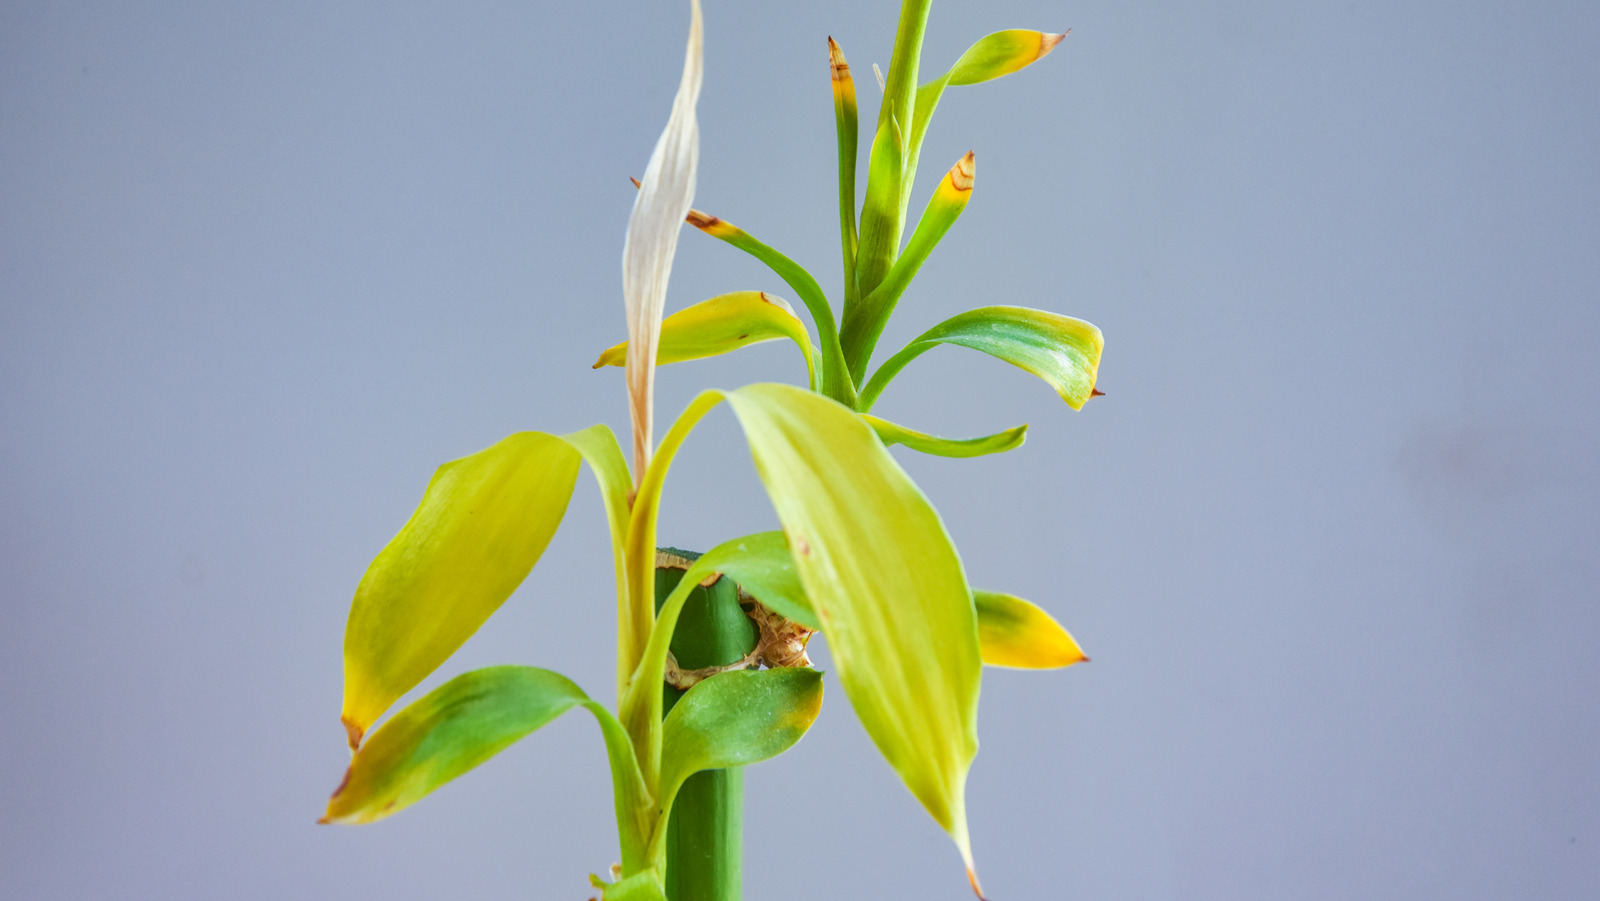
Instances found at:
x=483 y=523
x=457 y=727
x=1063 y=351
x=1002 y=53
x=664 y=197
x=736 y=719
x=863 y=534
x=1016 y=634
x=892 y=433
x=720 y=325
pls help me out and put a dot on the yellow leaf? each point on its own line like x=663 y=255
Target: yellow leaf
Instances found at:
x=1017 y=634
x=721 y=325
x=482 y=524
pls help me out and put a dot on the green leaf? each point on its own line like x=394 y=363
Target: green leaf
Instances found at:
x=1001 y=54
x=881 y=573
x=483 y=523
x=735 y=719
x=835 y=379
x=1000 y=442
x=991 y=57
x=760 y=564
x=720 y=325
x=847 y=127
x=1014 y=633
x=873 y=311
x=462 y=724
x=600 y=450
x=763 y=567
x=1063 y=351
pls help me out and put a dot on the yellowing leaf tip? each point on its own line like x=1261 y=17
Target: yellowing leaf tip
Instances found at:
x=972 y=880
x=1048 y=42
x=836 y=61
x=962 y=172
x=353 y=732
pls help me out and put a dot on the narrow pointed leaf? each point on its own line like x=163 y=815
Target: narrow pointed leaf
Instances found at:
x=890 y=169
x=460 y=725
x=991 y=57
x=1014 y=633
x=1000 y=442
x=482 y=524
x=835 y=379
x=652 y=238
x=1063 y=351
x=944 y=208
x=598 y=445
x=1001 y=54
x=735 y=719
x=847 y=127
x=720 y=325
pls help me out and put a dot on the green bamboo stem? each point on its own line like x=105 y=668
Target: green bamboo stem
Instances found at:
x=705 y=834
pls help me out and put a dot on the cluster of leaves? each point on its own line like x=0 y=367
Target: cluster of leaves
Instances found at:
x=862 y=555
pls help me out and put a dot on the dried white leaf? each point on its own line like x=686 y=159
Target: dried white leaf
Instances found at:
x=658 y=210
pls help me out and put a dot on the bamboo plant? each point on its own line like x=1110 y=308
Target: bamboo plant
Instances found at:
x=712 y=673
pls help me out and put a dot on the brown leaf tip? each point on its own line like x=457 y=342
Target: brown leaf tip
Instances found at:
x=353 y=731
x=1048 y=42
x=972 y=880
x=962 y=172
x=702 y=220
x=836 y=61
x=1096 y=392
x=636 y=182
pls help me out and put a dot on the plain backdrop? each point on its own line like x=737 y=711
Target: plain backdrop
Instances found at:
x=1332 y=538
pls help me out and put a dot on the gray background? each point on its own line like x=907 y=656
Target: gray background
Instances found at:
x=1331 y=539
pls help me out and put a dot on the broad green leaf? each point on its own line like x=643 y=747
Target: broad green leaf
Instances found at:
x=944 y=207
x=763 y=567
x=482 y=524
x=998 y=443
x=462 y=724
x=881 y=573
x=652 y=237
x=760 y=564
x=1015 y=633
x=722 y=324
x=1063 y=351
x=735 y=719
x=1000 y=54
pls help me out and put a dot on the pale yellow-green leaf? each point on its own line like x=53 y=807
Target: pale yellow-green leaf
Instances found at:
x=720 y=325
x=1014 y=633
x=886 y=583
x=882 y=575
x=482 y=524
